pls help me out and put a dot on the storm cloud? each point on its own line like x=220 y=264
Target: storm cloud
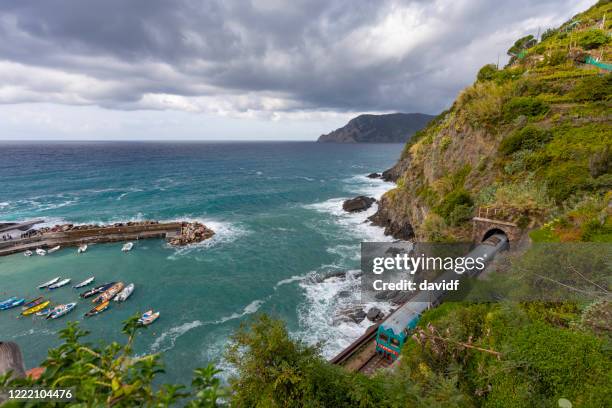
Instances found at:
x=259 y=57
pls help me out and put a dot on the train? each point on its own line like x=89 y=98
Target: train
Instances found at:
x=395 y=330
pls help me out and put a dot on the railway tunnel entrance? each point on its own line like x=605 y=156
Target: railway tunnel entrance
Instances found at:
x=488 y=223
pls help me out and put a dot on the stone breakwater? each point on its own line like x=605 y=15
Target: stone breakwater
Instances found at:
x=191 y=233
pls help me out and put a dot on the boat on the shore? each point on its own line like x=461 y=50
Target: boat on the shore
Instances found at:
x=47 y=284
x=54 y=249
x=96 y=290
x=85 y=282
x=11 y=303
x=27 y=253
x=32 y=302
x=82 y=248
x=127 y=247
x=109 y=293
x=125 y=293
x=41 y=252
x=148 y=317
x=35 y=308
x=61 y=310
x=98 y=309
x=59 y=284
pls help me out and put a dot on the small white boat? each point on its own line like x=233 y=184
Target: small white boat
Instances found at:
x=47 y=284
x=147 y=318
x=54 y=249
x=125 y=293
x=61 y=310
x=127 y=247
x=85 y=282
x=41 y=252
x=82 y=248
x=59 y=284
x=27 y=253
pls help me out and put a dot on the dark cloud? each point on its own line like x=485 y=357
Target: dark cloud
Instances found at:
x=261 y=55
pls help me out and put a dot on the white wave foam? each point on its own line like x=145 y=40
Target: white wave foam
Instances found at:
x=225 y=232
x=4 y=204
x=251 y=308
x=362 y=184
x=287 y=281
x=167 y=339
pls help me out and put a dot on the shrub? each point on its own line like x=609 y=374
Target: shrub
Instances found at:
x=444 y=143
x=487 y=72
x=524 y=105
x=454 y=199
x=548 y=33
x=460 y=214
x=593 y=88
x=593 y=38
x=600 y=162
x=556 y=58
x=522 y=44
x=530 y=137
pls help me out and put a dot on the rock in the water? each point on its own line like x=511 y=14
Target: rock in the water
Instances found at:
x=359 y=203
x=191 y=233
x=374 y=175
x=375 y=314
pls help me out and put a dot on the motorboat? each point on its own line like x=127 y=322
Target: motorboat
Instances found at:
x=32 y=303
x=36 y=308
x=45 y=311
x=54 y=249
x=47 y=284
x=98 y=309
x=41 y=252
x=96 y=290
x=82 y=248
x=147 y=318
x=127 y=247
x=59 y=284
x=11 y=303
x=27 y=253
x=85 y=282
x=125 y=293
x=109 y=293
x=61 y=310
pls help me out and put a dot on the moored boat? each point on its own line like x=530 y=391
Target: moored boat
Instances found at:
x=96 y=290
x=11 y=304
x=109 y=293
x=98 y=309
x=27 y=253
x=45 y=311
x=36 y=308
x=32 y=302
x=85 y=282
x=148 y=317
x=7 y=301
x=127 y=247
x=41 y=252
x=61 y=310
x=59 y=284
x=54 y=249
x=82 y=248
x=125 y=293
x=47 y=284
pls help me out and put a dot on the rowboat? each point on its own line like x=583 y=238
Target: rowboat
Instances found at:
x=98 y=309
x=61 y=310
x=127 y=247
x=41 y=252
x=7 y=301
x=96 y=290
x=47 y=284
x=11 y=304
x=32 y=303
x=147 y=318
x=109 y=293
x=85 y=282
x=125 y=293
x=82 y=248
x=36 y=308
x=54 y=249
x=59 y=284
x=27 y=253
x=45 y=311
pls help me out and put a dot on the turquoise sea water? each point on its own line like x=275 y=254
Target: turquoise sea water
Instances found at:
x=276 y=209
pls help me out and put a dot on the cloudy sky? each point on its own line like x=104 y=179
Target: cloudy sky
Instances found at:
x=240 y=69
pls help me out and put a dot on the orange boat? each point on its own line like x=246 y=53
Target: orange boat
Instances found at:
x=109 y=293
x=98 y=309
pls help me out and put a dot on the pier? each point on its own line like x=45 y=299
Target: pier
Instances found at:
x=177 y=233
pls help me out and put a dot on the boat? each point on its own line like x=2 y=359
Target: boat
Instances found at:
x=7 y=301
x=109 y=293
x=36 y=308
x=82 y=248
x=85 y=282
x=45 y=311
x=61 y=310
x=125 y=293
x=95 y=290
x=27 y=253
x=41 y=252
x=47 y=284
x=127 y=247
x=98 y=309
x=59 y=284
x=54 y=249
x=32 y=302
x=11 y=303
x=147 y=318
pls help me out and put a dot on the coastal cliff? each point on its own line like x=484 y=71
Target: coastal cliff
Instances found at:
x=531 y=140
x=389 y=128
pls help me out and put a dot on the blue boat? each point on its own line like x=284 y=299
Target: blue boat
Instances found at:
x=11 y=304
x=7 y=301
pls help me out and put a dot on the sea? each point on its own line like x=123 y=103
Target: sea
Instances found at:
x=281 y=247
